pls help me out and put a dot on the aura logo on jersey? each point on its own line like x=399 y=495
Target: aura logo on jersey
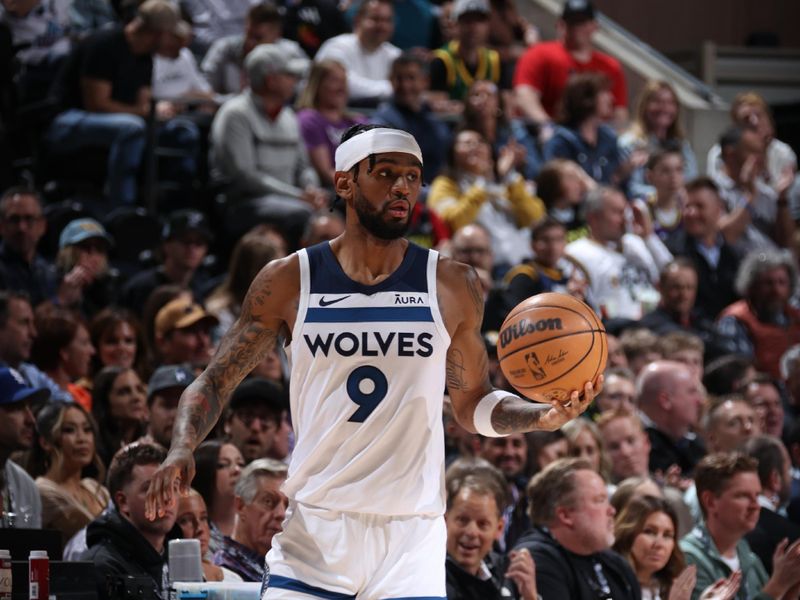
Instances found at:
x=524 y=327
x=371 y=343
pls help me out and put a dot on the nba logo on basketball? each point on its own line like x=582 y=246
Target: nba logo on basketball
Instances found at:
x=534 y=366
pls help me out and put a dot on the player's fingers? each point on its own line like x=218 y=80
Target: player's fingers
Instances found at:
x=152 y=499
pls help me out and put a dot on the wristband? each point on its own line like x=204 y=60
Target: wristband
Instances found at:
x=482 y=419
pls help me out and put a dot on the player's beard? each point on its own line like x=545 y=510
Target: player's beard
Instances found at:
x=377 y=222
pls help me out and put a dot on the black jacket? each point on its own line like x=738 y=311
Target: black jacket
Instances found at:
x=118 y=550
x=561 y=574
x=770 y=530
x=465 y=586
x=665 y=452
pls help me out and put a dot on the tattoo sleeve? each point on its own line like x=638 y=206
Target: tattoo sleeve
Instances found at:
x=242 y=348
x=514 y=415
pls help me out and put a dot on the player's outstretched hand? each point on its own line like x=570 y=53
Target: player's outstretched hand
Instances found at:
x=172 y=477
x=560 y=413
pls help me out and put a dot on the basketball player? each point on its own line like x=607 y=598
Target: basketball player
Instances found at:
x=376 y=326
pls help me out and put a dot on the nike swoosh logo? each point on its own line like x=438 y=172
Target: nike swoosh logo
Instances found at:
x=323 y=302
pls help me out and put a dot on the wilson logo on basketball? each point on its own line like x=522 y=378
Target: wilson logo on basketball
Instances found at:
x=523 y=328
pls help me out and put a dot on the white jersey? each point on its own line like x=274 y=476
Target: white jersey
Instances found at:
x=368 y=377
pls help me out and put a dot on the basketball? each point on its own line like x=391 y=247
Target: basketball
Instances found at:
x=550 y=345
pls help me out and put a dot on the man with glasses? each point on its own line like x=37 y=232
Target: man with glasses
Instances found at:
x=256 y=422
x=21 y=227
x=260 y=509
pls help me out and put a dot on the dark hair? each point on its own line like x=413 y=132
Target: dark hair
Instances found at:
x=552 y=487
x=766 y=449
x=579 y=101
x=714 y=471
x=55 y=330
x=680 y=262
x=629 y=523
x=702 y=183
x=545 y=224
x=6 y=296
x=730 y=137
x=157 y=299
x=206 y=457
x=363 y=127
x=265 y=12
x=133 y=455
x=663 y=152
x=408 y=58
x=251 y=253
x=549 y=185
x=721 y=375
x=18 y=190
x=110 y=433
x=479 y=475
x=538 y=441
x=104 y=322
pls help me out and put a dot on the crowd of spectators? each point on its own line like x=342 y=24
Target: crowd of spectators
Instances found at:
x=681 y=481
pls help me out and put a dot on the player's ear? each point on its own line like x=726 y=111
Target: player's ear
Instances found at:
x=343 y=184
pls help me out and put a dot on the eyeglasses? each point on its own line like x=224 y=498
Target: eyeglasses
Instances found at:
x=267 y=421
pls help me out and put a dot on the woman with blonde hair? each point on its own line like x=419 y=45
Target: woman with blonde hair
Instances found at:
x=656 y=125
x=322 y=113
x=64 y=455
x=584 y=441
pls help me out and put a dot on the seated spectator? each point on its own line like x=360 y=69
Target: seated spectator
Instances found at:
x=474 y=519
x=119 y=406
x=123 y=542
x=250 y=254
x=645 y=534
x=192 y=518
x=774 y=473
x=185 y=239
x=183 y=333
x=223 y=64
x=66 y=450
x=87 y=283
x=763 y=324
x=323 y=116
x=584 y=441
x=22 y=505
x=618 y=393
x=255 y=422
x=158 y=299
x=634 y=488
x=323 y=226
x=640 y=347
x=17 y=332
x=486 y=111
x=63 y=350
x=260 y=510
x=548 y=271
x=749 y=110
x=664 y=173
x=573 y=530
x=104 y=91
x=118 y=340
x=671 y=398
x=562 y=185
x=40 y=36
x=408 y=109
x=729 y=422
x=728 y=488
x=683 y=347
x=468 y=57
x=763 y=393
x=758 y=216
x=545 y=447
x=703 y=243
x=22 y=225
x=176 y=75
x=625 y=443
x=212 y=21
x=656 y=128
x=256 y=145
x=542 y=72
x=163 y=393
x=728 y=374
x=476 y=189
x=510 y=455
x=311 y=22
x=217 y=469
x=622 y=267
x=509 y=32
x=676 y=312
x=472 y=245
x=583 y=136
x=366 y=53
x=790 y=376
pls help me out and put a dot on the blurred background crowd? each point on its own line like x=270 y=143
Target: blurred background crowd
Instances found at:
x=155 y=155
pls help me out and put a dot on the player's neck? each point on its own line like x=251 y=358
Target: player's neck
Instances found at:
x=367 y=259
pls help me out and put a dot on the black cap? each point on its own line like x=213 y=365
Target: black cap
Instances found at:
x=577 y=11
x=260 y=392
x=183 y=221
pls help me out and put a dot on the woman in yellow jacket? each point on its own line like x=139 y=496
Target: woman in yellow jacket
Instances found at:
x=476 y=190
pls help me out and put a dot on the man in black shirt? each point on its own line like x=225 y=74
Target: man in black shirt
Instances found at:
x=104 y=91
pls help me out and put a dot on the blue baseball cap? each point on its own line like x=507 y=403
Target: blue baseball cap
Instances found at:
x=80 y=230
x=13 y=388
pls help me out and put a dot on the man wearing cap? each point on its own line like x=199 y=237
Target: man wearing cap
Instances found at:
x=21 y=503
x=22 y=225
x=467 y=58
x=256 y=420
x=183 y=333
x=104 y=92
x=541 y=73
x=378 y=326
x=366 y=53
x=163 y=392
x=186 y=236
x=257 y=146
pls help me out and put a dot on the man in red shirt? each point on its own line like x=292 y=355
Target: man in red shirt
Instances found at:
x=542 y=72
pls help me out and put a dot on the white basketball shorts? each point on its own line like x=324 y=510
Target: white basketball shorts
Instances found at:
x=354 y=556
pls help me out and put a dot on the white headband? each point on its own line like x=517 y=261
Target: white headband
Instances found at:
x=375 y=141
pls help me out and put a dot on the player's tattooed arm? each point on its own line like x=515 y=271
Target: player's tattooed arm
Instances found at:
x=514 y=414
